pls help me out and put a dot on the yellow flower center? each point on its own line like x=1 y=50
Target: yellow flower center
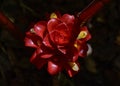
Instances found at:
x=82 y=34
x=53 y=15
x=74 y=66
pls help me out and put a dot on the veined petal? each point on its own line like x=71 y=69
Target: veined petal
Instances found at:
x=68 y=19
x=40 y=28
x=60 y=35
x=53 y=68
x=52 y=24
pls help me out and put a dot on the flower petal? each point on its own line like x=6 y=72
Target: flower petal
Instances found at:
x=60 y=35
x=36 y=60
x=47 y=42
x=40 y=28
x=46 y=53
x=53 y=68
x=62 y=49
x=70 y=52
x=68 y=19
x=30 y=43
x=52 y=24
x=36 y=53
x=32 y=40
x=82 y=48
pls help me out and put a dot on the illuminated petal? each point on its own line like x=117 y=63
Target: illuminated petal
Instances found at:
x=29 y=43
x=36 y=53
x=46 y=55
x=52 y=24
x=68 y=19
x=75 y=56
x=40 y=28
x=62 y=49
x=53 y=68
x=47 y=42
x=32 y=40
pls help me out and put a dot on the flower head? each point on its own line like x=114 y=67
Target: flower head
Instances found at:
x=52 y=41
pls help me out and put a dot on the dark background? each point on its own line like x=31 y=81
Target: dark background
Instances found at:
x=101 y=68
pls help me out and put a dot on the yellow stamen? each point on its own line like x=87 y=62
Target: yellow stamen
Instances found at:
x=38 y=43
x=74 y=66
x=53 y=15
x=75 y=45
x=32 y=30
x=82 y=34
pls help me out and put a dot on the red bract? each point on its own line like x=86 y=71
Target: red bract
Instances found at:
x=51 y=39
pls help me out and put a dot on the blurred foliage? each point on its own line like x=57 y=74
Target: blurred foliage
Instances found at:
x=101 y=68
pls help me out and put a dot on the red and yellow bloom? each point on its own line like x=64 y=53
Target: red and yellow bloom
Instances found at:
x=52 y=41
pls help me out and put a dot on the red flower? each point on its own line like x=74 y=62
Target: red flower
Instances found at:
x=51 y=39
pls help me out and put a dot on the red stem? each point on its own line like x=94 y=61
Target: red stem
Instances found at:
x=90 y=10
x=4 y=21
x=86 y=14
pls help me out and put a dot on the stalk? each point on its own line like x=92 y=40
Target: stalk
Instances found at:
x=86 y=14
x=15 y=32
